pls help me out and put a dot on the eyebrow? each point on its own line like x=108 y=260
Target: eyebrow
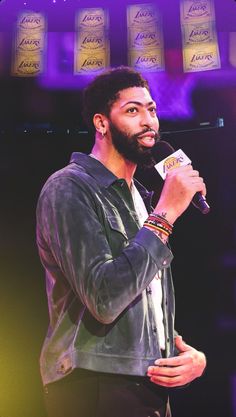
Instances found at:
x=138 y=103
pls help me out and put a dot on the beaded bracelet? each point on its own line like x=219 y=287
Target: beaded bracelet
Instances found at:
x=157 y=227
x=154 y=221
x=162 y=220
x=159 y=223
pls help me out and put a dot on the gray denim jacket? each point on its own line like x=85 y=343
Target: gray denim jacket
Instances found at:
x=99 y=264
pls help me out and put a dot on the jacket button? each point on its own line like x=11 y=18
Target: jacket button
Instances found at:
x=154 y=329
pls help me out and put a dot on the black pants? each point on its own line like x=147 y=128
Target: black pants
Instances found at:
x=94 y=394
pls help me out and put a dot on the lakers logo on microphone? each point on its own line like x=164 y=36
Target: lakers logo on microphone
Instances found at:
x=171 y=163
x=176 y=159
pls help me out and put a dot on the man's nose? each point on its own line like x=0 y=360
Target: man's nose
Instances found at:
x=148 y=119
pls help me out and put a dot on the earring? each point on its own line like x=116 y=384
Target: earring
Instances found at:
x=102 y=133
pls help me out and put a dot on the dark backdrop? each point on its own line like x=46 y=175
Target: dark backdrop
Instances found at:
x=204 y=270
x=39 y=128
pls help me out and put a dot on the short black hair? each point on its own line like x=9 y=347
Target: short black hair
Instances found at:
x=104 y=90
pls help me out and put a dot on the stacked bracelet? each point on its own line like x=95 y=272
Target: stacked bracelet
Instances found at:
x=157 y=222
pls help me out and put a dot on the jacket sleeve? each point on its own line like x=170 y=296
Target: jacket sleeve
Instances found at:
x=68 y=228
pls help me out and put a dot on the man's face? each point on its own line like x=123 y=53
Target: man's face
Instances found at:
x=134 y=125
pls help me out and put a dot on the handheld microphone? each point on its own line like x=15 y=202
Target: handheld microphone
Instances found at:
x=172 y=159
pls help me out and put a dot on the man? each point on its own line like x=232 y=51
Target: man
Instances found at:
x=111 y=348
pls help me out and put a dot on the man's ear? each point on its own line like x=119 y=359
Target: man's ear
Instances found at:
x=100 y=123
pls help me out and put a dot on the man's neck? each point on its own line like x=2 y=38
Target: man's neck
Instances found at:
x=116 y=163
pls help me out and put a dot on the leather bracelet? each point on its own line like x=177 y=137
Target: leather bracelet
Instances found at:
x=157 y=222
x=159 y=219
x=157 y=227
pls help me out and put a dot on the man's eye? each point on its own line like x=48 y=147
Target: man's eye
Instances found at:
x=153 y=110
x=132 y=110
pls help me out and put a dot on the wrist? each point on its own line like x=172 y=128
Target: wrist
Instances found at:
x=159 y=225
x=163 y=237
x=168 y=214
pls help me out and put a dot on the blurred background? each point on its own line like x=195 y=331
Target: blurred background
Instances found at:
x=41 y=124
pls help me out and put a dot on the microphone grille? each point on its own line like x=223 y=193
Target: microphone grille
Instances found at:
x=161 y=150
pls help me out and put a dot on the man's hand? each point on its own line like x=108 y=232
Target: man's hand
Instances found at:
x=178 y=370
x=179 y=188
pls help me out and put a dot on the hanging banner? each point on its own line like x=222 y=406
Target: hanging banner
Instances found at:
x=201 y=58
x=199 y=36
x=145 y=38
x=29 y=45
x=194 y=33
x=232 y=48
x=199 y=10
x=92 y=45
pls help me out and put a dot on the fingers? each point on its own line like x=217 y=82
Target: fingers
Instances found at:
x=185 y=173
x=185 y=359
x=178 y=370
x=181 y=345
x=180 y=185
x=168 y=376
x=187 y=181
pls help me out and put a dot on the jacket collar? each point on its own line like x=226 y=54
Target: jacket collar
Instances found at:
x=94 y=168
x=105 y=177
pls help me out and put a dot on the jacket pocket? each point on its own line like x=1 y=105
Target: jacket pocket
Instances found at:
x=116 y=224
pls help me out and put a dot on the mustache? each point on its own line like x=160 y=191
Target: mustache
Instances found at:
x=157 y=135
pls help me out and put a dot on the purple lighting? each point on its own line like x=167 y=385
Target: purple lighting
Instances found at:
x=171 y=91
x=173 y=94
x=233 y=394
x=172 y=88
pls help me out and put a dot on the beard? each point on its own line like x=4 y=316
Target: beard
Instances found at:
x=129 y=147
